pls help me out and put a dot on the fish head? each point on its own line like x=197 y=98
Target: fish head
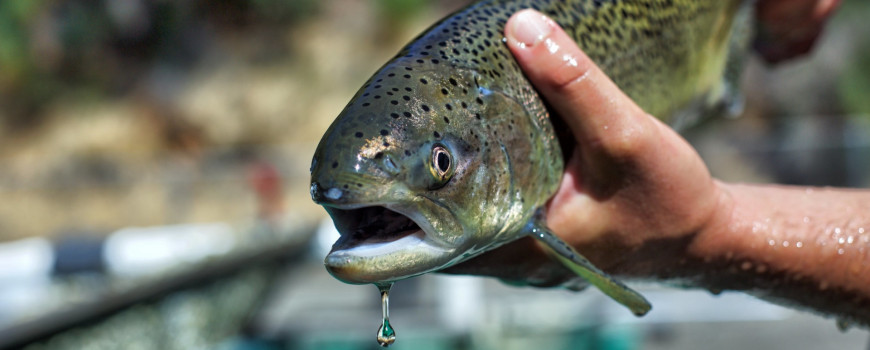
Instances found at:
x=403 y=174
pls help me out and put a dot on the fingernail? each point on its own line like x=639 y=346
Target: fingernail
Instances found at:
x=529 y=28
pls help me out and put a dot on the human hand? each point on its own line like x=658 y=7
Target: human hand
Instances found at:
x=788 y=28
x=633 y=189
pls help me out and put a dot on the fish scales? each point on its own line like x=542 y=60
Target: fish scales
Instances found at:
x=448 y=151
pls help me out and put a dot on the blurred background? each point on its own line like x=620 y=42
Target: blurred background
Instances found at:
x=154 y=185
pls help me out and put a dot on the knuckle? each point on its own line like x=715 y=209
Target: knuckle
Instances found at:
x=570 y=76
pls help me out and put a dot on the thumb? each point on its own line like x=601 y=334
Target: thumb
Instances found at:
x=600 y=115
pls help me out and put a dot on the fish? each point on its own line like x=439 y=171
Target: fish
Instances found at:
x=448 y=152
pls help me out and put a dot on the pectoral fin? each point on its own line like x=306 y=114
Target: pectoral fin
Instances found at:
x=580 y=265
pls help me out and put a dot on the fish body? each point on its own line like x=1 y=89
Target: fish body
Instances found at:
x=448 y=151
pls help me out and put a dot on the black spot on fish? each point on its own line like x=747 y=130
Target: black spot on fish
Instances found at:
x=384 y=132
x=407 y=76
x=407 y=152
x=406 y=114
x=464 y=105
x=424 y=81
x=394 y=115
x=365 y=104
x=334 y=165
x=448 y=106
x=444 y=91
x=425 y=108
x=436 y=134
x=452 y=81
x=358 y=134
x=394 y=102
x=446 y=120
x=406 y=98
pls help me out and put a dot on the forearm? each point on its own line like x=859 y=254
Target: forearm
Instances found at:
x=804 y=246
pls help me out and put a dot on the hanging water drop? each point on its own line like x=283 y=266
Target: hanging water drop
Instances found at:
x=843 y=324
x=386 y=334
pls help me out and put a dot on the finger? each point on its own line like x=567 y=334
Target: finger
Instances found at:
x=597 y=111
x=789 y=28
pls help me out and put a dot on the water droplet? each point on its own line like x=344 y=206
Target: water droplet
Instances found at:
x=551 y=45
x=843 y=324
x=860 y=230
x=771 y=242
x=837 y=230
x=841 y=240
x=806 y=219
x=785 y=243
x=799 y=244
x=386 y=333
x=850 y=239
x=569 y=60
x=841 y=251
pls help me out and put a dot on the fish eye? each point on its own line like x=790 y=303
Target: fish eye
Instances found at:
x=440 y=165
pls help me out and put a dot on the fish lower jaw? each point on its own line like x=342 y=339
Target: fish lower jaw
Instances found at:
x=373 y=262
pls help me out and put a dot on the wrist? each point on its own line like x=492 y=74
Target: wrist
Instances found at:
x=679 y=255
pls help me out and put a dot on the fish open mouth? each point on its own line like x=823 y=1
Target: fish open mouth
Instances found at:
x=380 y=244
x=371 y=226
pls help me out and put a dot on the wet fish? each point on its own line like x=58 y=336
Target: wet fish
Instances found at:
x=448 y=151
